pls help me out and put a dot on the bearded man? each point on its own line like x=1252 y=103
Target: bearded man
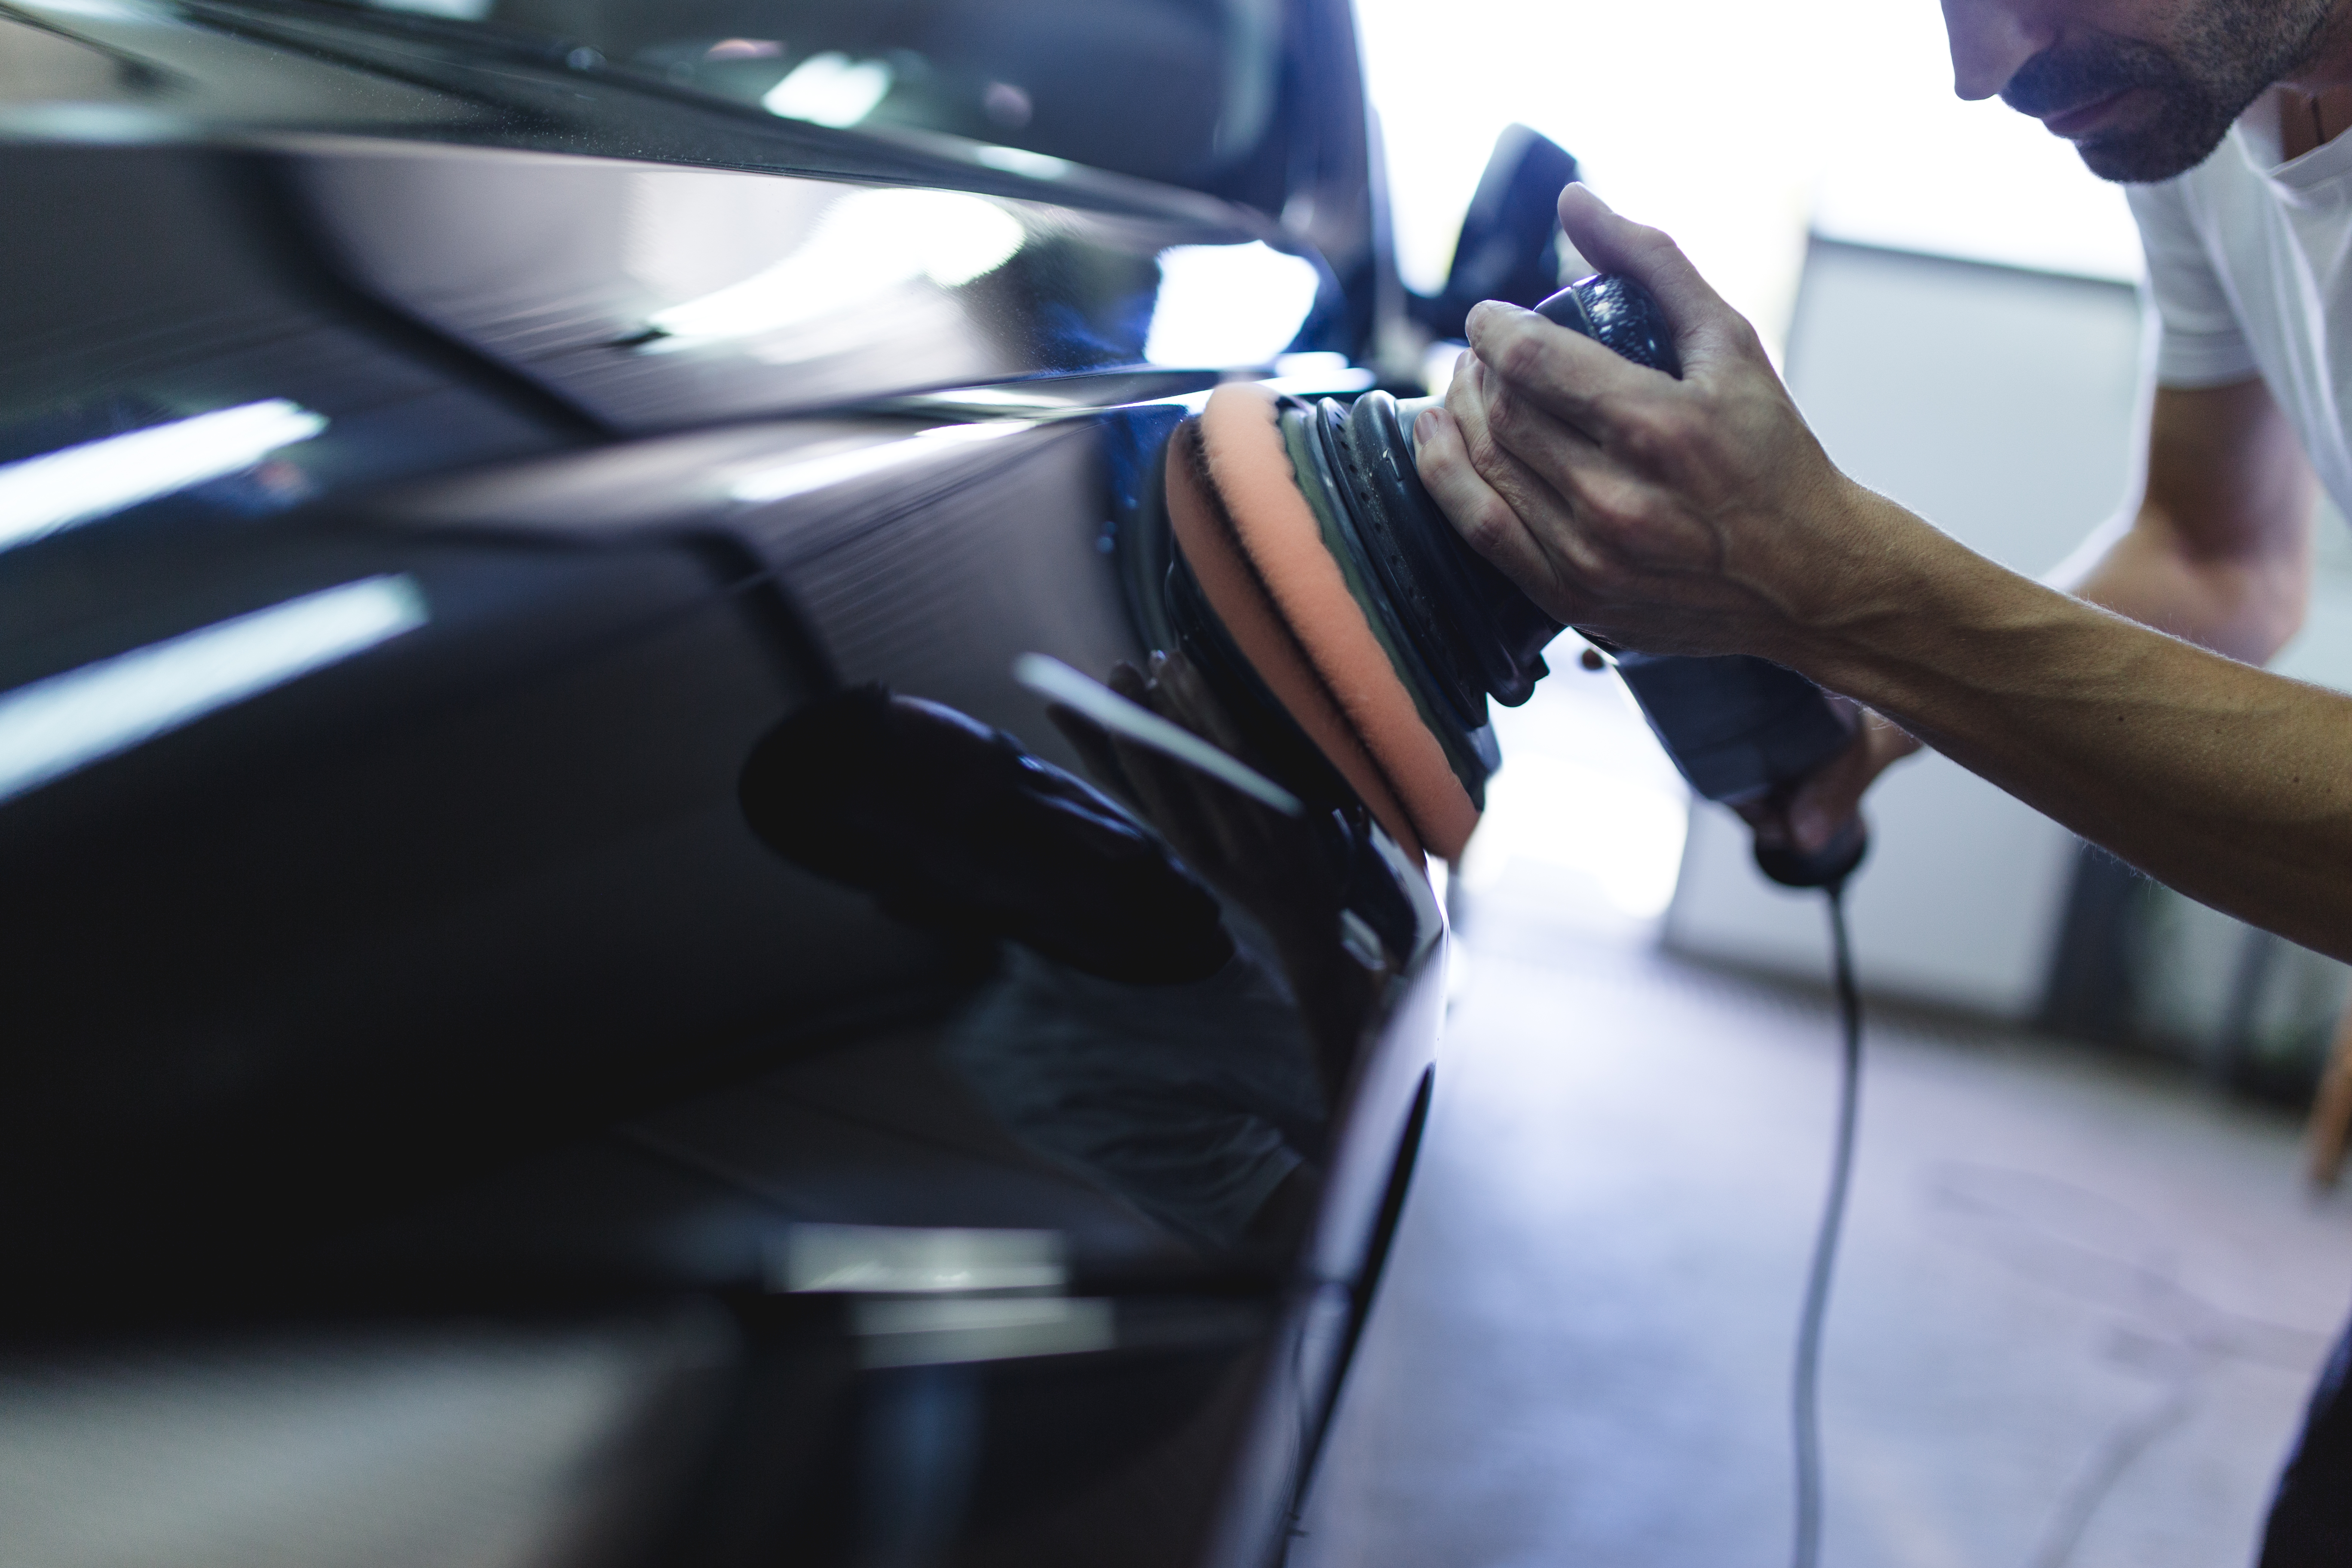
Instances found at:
x=1701 y=516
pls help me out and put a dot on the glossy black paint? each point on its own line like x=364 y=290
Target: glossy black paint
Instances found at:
x=444 y=985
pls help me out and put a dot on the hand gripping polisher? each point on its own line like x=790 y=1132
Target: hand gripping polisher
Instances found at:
x=1312 y=569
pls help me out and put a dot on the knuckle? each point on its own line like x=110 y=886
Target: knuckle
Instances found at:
x=1664 y=434
x=1680 y=424
x=1649 y=437
x=1519 y=356
x=1485 y=453
x=1647 y=240
x=1488 y=524
x=1638 y=439
x=1620 y=511
x=1503 y=410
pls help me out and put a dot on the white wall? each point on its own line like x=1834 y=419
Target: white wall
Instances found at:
x=1733 y=125
x=1999 y=404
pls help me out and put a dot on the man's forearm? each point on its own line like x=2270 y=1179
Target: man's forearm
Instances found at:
x=2232 y=785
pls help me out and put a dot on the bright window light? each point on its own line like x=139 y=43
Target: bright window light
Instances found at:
x=1228 y=304
x=1835 y=114
x=1623 y=831
x=39 y=496
x=1318 y=375
x=866 y=245
x=830 y=89
x=839 y=468
x=67 y=722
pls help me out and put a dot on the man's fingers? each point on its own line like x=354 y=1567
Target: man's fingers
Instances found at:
x=1703 y=322
x=1826 y=801
x=1477 y=509
x=1566 y=373
x=1560 y=482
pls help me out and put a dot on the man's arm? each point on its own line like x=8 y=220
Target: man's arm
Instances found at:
x=1703 y=517
x=2218 y=551
x=2229 y=783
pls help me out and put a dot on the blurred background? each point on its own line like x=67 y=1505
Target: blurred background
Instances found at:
x=2087 y=1280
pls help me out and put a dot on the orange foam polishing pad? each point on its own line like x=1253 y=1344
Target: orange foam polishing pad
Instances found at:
x=1254 y=546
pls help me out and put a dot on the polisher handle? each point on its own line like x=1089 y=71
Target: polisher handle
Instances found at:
x=1617 y=313
x=1747 y=732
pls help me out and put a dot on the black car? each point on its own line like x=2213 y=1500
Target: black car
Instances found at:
x=565 y=1002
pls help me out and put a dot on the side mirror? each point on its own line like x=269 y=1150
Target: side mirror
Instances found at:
x=1510 y=247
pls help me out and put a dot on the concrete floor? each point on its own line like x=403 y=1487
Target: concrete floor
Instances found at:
x=2080 y=1304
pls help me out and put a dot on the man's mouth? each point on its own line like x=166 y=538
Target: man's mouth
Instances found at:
x=2076 y=123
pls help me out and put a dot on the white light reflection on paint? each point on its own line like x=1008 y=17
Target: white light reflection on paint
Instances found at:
x=57 y=491
x=903 y=1261
x=945 y=1330
x=1228 y=304
x=839 y=468
x=830 y=89
x=66 y=721
x=1021 y=161
x=866 y=245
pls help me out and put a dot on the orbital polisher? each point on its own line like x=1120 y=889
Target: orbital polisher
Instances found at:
x=1359 y=638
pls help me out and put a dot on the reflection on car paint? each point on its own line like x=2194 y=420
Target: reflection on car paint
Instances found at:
x=79 y=484
x=448 y=982
x=1228 y=304
x=816 y=473
x=865 y=245
x=1092 y=700
x=906 y=1260
x=51 y=727
x=1192 y=1101
x=1138 y=1033
x=951 y=825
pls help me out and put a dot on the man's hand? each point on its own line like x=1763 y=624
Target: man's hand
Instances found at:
x=1693 y=516
x=1828 y=800
x=1669 y=516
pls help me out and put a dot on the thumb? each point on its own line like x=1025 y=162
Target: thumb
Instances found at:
x=1828 y=800
x=1703 y=322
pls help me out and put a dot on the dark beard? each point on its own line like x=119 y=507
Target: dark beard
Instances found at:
x=2234 y=49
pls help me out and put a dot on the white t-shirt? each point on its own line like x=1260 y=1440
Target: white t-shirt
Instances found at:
x=2249 y=261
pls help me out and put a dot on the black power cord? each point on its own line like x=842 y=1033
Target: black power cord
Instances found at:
x=1806 y=1392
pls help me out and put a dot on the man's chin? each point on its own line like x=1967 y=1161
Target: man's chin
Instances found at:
x=2146 y=157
